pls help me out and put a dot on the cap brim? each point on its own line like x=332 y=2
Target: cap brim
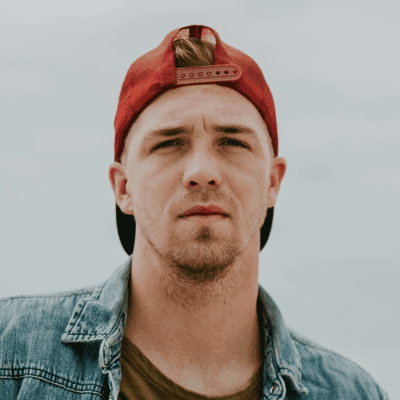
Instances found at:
x=126 y=226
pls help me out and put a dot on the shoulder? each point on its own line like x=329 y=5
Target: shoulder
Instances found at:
x=33 y=356
x=38 y=314
x=328 y=374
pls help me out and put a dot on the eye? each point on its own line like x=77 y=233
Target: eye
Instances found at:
x=237 y=143
x=164 y=144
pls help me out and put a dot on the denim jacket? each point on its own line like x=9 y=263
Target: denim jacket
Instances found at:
x=68 y=346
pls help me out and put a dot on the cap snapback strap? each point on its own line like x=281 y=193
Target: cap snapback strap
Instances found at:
x=207 y=74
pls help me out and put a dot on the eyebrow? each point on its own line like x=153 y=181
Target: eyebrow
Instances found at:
x=175 y=131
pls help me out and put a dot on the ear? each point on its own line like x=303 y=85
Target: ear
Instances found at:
x=278 y=170
x=117 y=176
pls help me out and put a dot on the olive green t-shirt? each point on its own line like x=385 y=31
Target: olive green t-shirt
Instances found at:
x=141 y=380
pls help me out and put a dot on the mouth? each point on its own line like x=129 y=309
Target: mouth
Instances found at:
x=205 y=217
x=204 y=210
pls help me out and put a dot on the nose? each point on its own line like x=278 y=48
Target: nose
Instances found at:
x=202 y=168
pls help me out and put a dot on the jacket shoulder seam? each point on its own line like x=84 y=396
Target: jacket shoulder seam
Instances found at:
x=84 y=290
x=298 y=337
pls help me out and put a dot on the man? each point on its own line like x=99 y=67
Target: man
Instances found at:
x=196 y=176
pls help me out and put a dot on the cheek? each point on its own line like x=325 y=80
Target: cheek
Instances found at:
x=246 y=192
x=157 y=192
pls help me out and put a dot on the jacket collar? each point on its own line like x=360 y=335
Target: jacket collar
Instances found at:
x=280 y=352
x=102 y=317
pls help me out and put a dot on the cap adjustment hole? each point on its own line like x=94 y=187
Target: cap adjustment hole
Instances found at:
x=213 y=72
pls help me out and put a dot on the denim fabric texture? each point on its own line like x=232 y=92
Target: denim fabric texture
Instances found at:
x=68 y=346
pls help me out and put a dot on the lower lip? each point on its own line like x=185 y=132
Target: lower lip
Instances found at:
x=206 y=217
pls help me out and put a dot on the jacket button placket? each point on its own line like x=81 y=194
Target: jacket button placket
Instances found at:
x=274 y=389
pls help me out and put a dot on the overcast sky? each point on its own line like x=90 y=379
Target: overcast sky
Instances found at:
x=332 y=260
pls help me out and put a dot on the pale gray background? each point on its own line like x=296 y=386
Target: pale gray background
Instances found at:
x=332 y=262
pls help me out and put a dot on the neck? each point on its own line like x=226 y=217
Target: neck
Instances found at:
x=213 y=328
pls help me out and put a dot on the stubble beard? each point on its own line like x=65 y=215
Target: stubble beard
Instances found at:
x=196 y=267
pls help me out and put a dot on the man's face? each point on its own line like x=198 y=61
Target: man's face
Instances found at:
x=165 y=176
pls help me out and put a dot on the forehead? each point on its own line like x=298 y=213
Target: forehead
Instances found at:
x=211 y=92
x=213 y=104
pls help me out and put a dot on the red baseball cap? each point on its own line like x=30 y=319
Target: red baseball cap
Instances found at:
x=155 y=72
